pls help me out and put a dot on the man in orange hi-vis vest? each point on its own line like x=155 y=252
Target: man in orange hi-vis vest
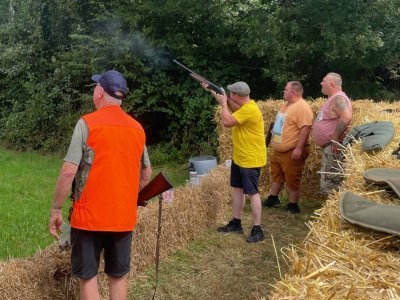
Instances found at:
x=103 y=168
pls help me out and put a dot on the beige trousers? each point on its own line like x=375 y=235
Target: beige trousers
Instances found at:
x=331 y=170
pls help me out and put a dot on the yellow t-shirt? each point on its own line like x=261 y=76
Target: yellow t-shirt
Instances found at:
x=288 y=123
x=248 y=137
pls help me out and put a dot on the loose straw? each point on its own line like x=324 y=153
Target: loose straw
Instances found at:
x=277 y=258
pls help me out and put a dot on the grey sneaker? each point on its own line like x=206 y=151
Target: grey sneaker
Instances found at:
x=255 y=236
x=231 y=227
x=272 y=201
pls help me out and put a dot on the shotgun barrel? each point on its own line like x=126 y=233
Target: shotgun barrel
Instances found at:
x=201 y=79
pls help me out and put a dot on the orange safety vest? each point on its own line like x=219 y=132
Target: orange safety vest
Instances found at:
x=108 y=201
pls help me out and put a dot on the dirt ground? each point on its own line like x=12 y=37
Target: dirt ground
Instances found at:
x=225 y=266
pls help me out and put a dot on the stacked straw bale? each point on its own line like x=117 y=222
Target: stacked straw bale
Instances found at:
x=343 y=261
x=339 y=260
x=47 y=275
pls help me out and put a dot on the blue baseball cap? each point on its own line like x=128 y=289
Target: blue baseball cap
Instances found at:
x=113 y=83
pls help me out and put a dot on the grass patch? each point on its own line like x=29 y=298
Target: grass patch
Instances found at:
x=176 y=173
x=27 y=183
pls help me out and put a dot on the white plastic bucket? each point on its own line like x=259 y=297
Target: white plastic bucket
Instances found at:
x=202 y=164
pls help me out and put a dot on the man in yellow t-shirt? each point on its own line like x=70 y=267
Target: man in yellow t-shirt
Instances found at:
x=291 y=147
x=249 y=154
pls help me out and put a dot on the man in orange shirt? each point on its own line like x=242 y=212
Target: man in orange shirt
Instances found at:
x=291 y=147
x=103 y=167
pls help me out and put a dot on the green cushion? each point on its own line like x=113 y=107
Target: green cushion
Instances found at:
x=384 y=177
x=374 y=136
x=359 y=211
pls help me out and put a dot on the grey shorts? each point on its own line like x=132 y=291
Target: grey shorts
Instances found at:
x=86 y=249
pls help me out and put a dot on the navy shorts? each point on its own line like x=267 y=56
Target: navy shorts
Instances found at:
x=86 y=249
x=245 y=178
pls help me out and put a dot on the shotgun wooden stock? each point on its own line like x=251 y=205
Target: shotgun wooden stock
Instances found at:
x=155 y=187
x=269 y=134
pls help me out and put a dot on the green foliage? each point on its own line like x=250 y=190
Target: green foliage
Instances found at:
x=164 y=153
x=306 y=39
x=50 y=49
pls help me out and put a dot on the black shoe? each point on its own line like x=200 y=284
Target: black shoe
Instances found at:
x=293 y=208
x=256 y=235
x=272 y=201
x=231 y=227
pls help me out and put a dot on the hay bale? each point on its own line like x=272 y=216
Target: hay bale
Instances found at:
x=47 y=275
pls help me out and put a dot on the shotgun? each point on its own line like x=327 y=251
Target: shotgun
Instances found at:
x=201 y=79
x=155 y=187
x=269 y=134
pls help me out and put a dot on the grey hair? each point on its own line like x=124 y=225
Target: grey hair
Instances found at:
x=335 y=78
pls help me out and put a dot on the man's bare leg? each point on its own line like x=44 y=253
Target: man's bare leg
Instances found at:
x=275 y=188
x=238 y=202
x=117 y=288
x=88 y=289
x=256 y=208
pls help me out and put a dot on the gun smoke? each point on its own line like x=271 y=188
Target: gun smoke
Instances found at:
x=134 y=43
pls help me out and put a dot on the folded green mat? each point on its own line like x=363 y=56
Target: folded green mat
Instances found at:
x=359 y=211
x=384 y=177
x=374 y=135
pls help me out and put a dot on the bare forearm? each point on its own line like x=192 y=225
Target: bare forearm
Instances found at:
x=303 y=136
x=340 y=130
x=145 y=177
x=64 y=183
x=227 y=119
x=342 y=109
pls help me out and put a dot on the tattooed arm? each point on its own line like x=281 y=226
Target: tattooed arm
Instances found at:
x=342 y=109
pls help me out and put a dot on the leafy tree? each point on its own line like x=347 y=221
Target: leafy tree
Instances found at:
x=49 y=50
x=306 y=39
x=31 y=117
